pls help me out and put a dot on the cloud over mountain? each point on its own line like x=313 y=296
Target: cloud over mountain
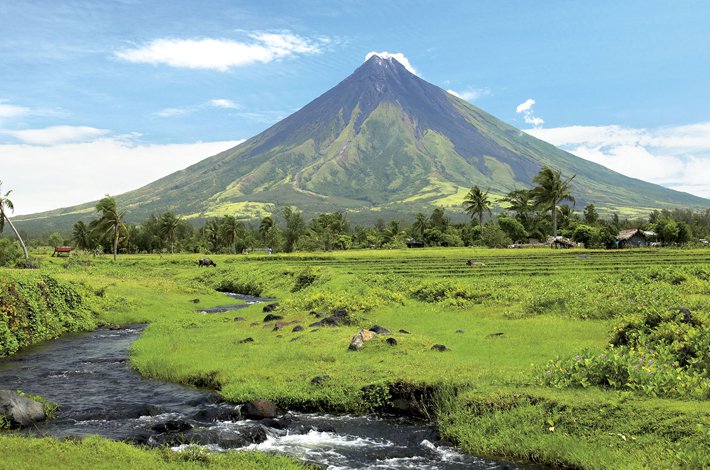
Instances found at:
x=222 y=54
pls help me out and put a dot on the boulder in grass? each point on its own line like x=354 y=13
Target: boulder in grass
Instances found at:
x=340 y=317
x=273 y=317
x=20 y=410
x=260 y=409
x=319 y=379
x=380 y=330
x=440 y=348
x=270 y=307
x=360 y=339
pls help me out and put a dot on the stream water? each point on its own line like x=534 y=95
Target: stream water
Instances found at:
x=89 y=376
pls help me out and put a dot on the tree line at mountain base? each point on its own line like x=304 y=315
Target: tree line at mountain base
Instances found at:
x=531 y=216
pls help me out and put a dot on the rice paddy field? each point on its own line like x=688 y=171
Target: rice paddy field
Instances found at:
x=573 y=358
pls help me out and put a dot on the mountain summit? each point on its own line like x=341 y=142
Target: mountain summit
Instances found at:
x=383 y=139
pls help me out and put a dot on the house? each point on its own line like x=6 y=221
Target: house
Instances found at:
x=634 y=238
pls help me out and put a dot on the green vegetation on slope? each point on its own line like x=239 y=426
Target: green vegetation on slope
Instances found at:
x=36 y=307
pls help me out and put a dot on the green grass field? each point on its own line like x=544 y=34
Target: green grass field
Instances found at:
x=505 y=322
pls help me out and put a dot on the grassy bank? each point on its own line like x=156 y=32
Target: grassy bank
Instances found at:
x=505 y=323
x=95 y=453
x=35 y=307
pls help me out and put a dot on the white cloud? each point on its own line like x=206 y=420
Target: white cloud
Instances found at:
x=215 y=103
x=470 y=94
x=676 y=157
x=57 y=134
x=526 y=108
x=222 y=54
x=223 y=103
x=398 y=56
x=11 y=110
x=173 y=112
x=48 y=177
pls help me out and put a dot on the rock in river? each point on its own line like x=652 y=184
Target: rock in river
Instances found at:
x=260 y=409
x=20 y=410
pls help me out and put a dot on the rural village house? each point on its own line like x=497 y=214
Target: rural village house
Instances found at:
x=634 y=238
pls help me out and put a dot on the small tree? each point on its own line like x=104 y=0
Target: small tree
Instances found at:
x=551 y=189
x=295 y=227
x=591 y=216
x=169 y=224
x=82 y=236
x=477 y=202
x=513 y=228
x=5 y=203
x=493 y=236
x=55 y=239
x=110 y=221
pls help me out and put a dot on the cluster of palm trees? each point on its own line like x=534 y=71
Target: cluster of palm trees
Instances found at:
x=110 y=228
x=551 y=189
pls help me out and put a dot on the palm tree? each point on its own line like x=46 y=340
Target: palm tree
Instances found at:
x=420 y=224
x=477 y=202
x=295 y=227
x=231 y=230
x=169 y=224
x=551 y=189
x=211 y=233
x=264 y=227
x=82 y=236
x=110 y=220
x=5 y=203
x=520 y=201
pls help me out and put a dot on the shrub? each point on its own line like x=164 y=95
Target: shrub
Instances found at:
x=304 y=279
x=34 y=308
x=10 y=253
x=657 y=354
x=243 y=287
x=448 y=292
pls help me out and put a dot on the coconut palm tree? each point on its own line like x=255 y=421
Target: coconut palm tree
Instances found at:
x=212 y=232
x=5 y=203
x=551 y=189
x=420 y=224
x=264 y=227
x=110 y=220
x=520 y=202
x=169 y=224
x=82 y=236
x=477 y=202
x=232 y=230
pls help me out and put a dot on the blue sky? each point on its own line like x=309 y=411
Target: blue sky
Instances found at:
x=114 y=94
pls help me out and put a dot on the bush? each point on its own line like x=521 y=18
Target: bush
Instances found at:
x=304 y=279
x=10 y=253
x=447 y=292
x=34 y=308
x=493 y=237
x=239 y=287
x=658 y=354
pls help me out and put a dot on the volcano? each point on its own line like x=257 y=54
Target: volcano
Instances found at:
x=382 y=141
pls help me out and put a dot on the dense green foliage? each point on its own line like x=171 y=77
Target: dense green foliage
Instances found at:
x=36 y=307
